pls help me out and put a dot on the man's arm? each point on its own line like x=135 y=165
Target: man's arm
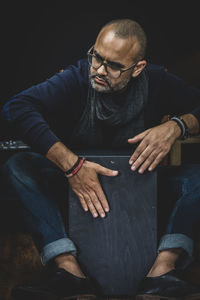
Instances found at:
x=85 y=182
x=156 y=142
x=62 y=98
x=192 y=123
x=44 y=112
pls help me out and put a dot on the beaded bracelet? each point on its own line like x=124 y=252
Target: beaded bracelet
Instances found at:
x=75 y=168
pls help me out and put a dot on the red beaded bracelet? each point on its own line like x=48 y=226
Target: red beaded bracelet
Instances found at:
x=73 y=170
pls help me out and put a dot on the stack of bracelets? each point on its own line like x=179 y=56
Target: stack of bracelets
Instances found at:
x=76 y=167
x=183 y=126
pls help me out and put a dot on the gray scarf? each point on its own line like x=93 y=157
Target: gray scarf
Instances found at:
x=109 y=120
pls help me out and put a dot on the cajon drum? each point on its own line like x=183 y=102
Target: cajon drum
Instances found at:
x=118 y=250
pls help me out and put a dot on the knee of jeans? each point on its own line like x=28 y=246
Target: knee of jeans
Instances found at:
x=187 y=178
x=17 y=164
x=189 y=171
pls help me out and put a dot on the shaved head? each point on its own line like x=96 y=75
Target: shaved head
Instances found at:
x=119 y=48
x=127 y=29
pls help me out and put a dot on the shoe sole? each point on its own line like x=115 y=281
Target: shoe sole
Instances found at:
x=156 y=297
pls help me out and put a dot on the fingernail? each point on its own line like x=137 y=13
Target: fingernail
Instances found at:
x=107 y=209
x=140 y=171
x=115 y=172
x=102 y=215
x=133 y=168
x=130 y=162
x=95 y=215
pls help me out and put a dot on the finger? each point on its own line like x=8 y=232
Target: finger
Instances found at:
x=97 y=204
x=148 y=162
x=101 y=196
x=105 y=171
x=138 y=151
x=138 y=137
x=83 y=203
x=144 y=157
x=90 y=206
x=156 y=162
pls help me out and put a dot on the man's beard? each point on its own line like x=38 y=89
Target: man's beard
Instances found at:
x=109 y=88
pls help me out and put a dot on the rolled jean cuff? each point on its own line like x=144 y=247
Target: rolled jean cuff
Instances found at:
x=56 y=248
x=178 y=240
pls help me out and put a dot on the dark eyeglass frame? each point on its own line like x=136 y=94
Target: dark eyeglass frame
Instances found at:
x=105 y=64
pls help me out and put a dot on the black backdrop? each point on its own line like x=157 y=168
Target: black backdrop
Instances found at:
x=39 y=38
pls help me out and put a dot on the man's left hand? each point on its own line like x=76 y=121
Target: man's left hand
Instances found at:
x=155 y=143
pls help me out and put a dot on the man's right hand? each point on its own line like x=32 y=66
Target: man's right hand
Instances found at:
x=87 y=187
x=85 y=182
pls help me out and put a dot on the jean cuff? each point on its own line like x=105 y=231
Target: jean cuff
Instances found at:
x=178 y=240
x=56 y=248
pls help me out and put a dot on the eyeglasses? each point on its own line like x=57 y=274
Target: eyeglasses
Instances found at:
x=96 y=61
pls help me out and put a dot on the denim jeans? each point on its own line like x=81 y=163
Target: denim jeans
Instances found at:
x=38 y=186
x=183 y=184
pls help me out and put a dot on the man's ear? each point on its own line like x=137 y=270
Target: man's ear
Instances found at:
x=139 y=67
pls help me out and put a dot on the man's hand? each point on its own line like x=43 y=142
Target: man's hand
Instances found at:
x=155 y=143
x=86 y=185
x=85 y=182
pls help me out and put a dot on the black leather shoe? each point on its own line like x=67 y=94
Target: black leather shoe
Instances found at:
x=62 y=285
x=169 y=286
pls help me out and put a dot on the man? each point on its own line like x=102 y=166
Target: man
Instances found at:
x=113 y=100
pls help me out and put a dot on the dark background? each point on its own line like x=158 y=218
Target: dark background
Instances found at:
x=39 y=38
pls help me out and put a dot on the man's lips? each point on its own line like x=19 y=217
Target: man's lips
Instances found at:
x=100 y=81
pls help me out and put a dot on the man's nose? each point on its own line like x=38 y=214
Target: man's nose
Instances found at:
x=102 y=70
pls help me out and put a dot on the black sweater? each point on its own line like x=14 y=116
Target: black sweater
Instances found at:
x=48 y=112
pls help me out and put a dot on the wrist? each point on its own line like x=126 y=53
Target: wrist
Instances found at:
x=75 y=168
x=63 y=157
x=183 y=127
x=176 y=129
x=69 y=161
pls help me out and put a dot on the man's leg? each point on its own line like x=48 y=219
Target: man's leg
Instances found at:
x=177 y=242
x=37 y=186
x=179 y=234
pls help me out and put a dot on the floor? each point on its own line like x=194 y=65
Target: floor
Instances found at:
x=20 y=263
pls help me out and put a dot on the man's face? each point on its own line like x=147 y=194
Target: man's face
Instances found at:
x=119 y=51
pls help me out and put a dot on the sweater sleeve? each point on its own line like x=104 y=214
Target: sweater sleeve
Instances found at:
x=180 y=97
x=29 y=110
